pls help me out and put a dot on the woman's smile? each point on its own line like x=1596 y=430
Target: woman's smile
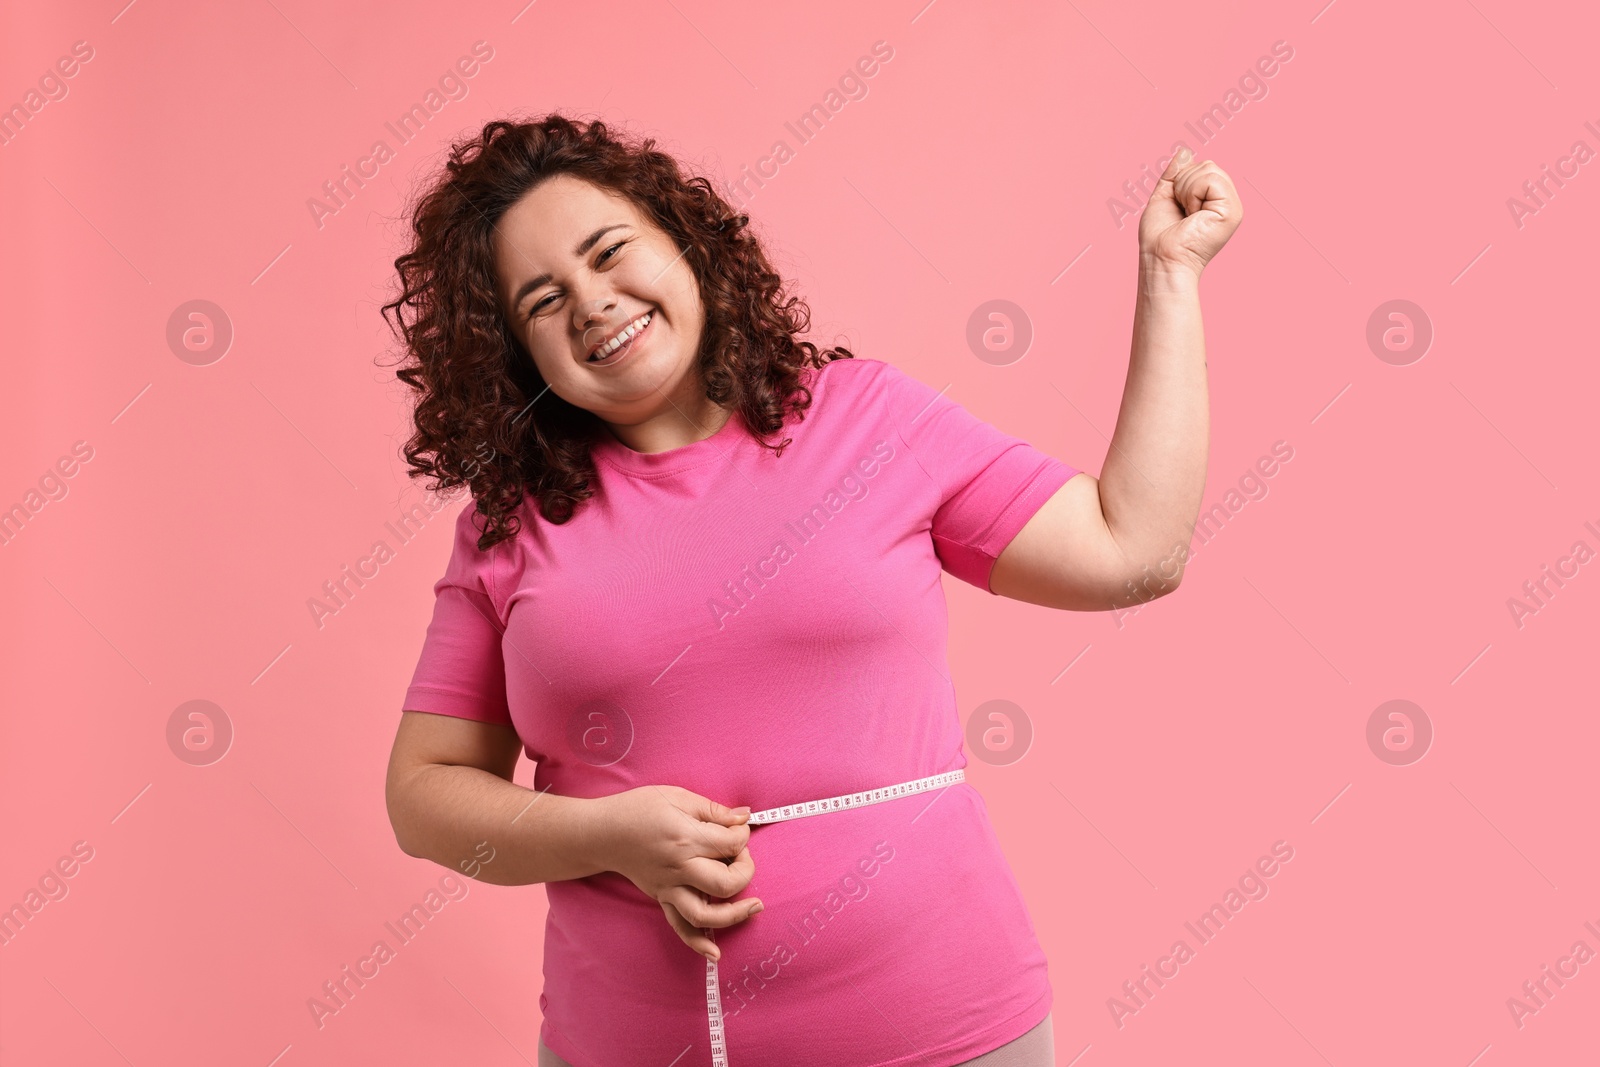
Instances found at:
x=640 y=326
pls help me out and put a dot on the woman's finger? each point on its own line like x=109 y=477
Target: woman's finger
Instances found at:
x=692 y=906
x=1183 y=186
x=719 y=878
x=693 y=937
x=1205 y=186
x=720 y=842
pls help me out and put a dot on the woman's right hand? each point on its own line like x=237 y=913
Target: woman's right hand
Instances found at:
x=679 y=848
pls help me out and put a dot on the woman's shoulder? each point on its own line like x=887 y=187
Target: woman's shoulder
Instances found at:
x=862 y=374
x=868 y=365
x=870 y=381
x=493 y=569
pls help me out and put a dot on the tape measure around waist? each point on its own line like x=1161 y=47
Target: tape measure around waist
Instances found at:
x=719 y=1044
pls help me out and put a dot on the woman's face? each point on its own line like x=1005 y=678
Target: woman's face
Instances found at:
x=575 y=266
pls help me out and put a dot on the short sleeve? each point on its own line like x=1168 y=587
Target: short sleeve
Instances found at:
x=461 y=670
x=990 y=483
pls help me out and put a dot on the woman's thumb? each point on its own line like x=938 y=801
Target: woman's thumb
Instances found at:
x=727 y=816
x=1180 y=159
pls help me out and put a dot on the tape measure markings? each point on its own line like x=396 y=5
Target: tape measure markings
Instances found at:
x=719 y=1045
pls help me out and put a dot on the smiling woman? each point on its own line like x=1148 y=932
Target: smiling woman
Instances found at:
x=616 y=348
x=621 y=298
x=602 y=351
x=547 y=240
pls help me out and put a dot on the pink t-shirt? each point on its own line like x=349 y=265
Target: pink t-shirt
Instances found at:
x=765 y=630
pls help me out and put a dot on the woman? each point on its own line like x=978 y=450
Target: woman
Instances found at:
x=707 y=584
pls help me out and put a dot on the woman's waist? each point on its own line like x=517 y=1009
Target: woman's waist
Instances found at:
x=933 y=853
x=904 y=902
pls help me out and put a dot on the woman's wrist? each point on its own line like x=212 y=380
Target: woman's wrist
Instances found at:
x=597 y=835
x=562 y=838
x=1164 y=278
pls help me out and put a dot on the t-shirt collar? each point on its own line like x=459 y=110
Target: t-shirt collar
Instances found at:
x=718 y=446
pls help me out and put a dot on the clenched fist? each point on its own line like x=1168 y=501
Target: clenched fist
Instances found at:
x=1190 y=216
x=684 y=851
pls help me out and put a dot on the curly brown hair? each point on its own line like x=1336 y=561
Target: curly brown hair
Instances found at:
x=473 y=381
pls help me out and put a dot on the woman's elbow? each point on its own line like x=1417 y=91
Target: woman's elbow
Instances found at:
x=1152 y=582
x=398 y=801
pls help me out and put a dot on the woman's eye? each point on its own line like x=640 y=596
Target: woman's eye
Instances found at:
x=534 y=310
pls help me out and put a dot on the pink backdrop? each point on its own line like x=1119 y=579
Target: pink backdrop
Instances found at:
x=219 y=481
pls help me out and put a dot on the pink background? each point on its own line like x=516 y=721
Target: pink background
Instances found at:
x=1182 y=742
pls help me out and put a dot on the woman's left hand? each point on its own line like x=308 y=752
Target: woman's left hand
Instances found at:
x=1190 y=216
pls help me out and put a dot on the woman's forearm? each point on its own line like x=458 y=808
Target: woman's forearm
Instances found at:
x=493 y=830
x=1154 y=474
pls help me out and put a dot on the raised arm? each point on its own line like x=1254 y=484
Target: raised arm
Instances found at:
x=1106 y=543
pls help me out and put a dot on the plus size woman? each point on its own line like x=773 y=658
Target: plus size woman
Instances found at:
x=699 y=577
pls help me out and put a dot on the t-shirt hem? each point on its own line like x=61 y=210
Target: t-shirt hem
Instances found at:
x=949 y=1055
x=1050 y=477
x=968 y=1048
x=556 y=1042
x=452 y=702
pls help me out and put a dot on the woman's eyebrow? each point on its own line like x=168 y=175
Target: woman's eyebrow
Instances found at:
x=583 y=246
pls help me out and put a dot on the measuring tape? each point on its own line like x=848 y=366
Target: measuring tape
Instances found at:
x=719 y=1043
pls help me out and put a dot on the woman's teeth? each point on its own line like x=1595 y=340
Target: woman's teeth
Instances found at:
x=622 y=338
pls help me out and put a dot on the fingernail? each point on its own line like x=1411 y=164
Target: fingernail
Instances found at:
x=755 y=909
x=713 y=954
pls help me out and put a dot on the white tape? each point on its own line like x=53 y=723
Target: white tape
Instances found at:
x=719 y=1043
